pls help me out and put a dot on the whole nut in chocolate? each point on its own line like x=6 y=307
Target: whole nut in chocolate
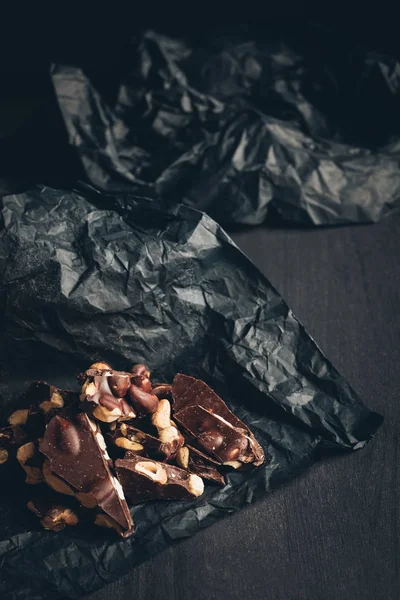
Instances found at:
x=58 y=441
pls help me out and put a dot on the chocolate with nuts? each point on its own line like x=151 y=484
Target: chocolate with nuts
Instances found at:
x=144 y=479
x=206 y=417
x=103 y=395
x=77 y=455
x=195 y=461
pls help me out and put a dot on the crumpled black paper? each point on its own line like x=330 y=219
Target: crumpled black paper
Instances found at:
x=238 y=122
x=127 y=280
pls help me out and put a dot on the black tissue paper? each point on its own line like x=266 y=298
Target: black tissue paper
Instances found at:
x=238 y=121
x=87 y=276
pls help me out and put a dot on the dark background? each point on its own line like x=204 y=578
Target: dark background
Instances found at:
x=333 y=532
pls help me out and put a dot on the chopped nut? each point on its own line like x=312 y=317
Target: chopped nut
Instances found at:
x=235 y=464
x=123 y=442
x=19 y=417
x=167 y=430
x=153 y=471
x=104 y=414
x=24 y=453
x=55 y=482
x=101 y=366
x=54 y=517
x=182 y=457
x=56 y=401
x=161 y=419
x=196 y=485
x=3 y=456
x=58 y=518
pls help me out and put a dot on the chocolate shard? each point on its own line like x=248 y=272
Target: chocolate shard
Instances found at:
x=192 y=396
x=77 y=454
x=204 y=466
x=188 y=391
x=130 y=438
x=227 y=444
x=144 y=479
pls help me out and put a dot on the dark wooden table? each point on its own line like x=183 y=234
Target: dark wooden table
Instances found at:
x=333 y=533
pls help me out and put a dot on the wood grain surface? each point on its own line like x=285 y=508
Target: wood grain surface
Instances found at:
x=332 y=533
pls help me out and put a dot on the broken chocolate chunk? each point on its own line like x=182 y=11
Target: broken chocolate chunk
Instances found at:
x=128 y=437
x=195 y=461
x=227 y=444
x=144 y=479
x=103 y=395
x=206 y=417
x=77 y=455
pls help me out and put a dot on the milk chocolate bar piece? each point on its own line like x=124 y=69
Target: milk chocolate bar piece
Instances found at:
x=189 y=393
x=77 y=454
x=227 y=444
x=195 y=461
x=144 y=479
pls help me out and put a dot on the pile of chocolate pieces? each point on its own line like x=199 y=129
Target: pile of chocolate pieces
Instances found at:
x=116 y=442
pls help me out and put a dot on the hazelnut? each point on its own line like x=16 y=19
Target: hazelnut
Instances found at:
x=123 y=442
x=25 y=453
x=196 y=485
x=100 y=366
x=19 y=417
x=152 y=470
x=182 y=457
x=55 y=482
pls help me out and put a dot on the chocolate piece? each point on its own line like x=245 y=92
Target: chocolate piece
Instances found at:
x=143 y=479
x=77 y=454
x=103 y=395
x=199 y=463
x=189 y=393
x=227 y=444
x=144 y=443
